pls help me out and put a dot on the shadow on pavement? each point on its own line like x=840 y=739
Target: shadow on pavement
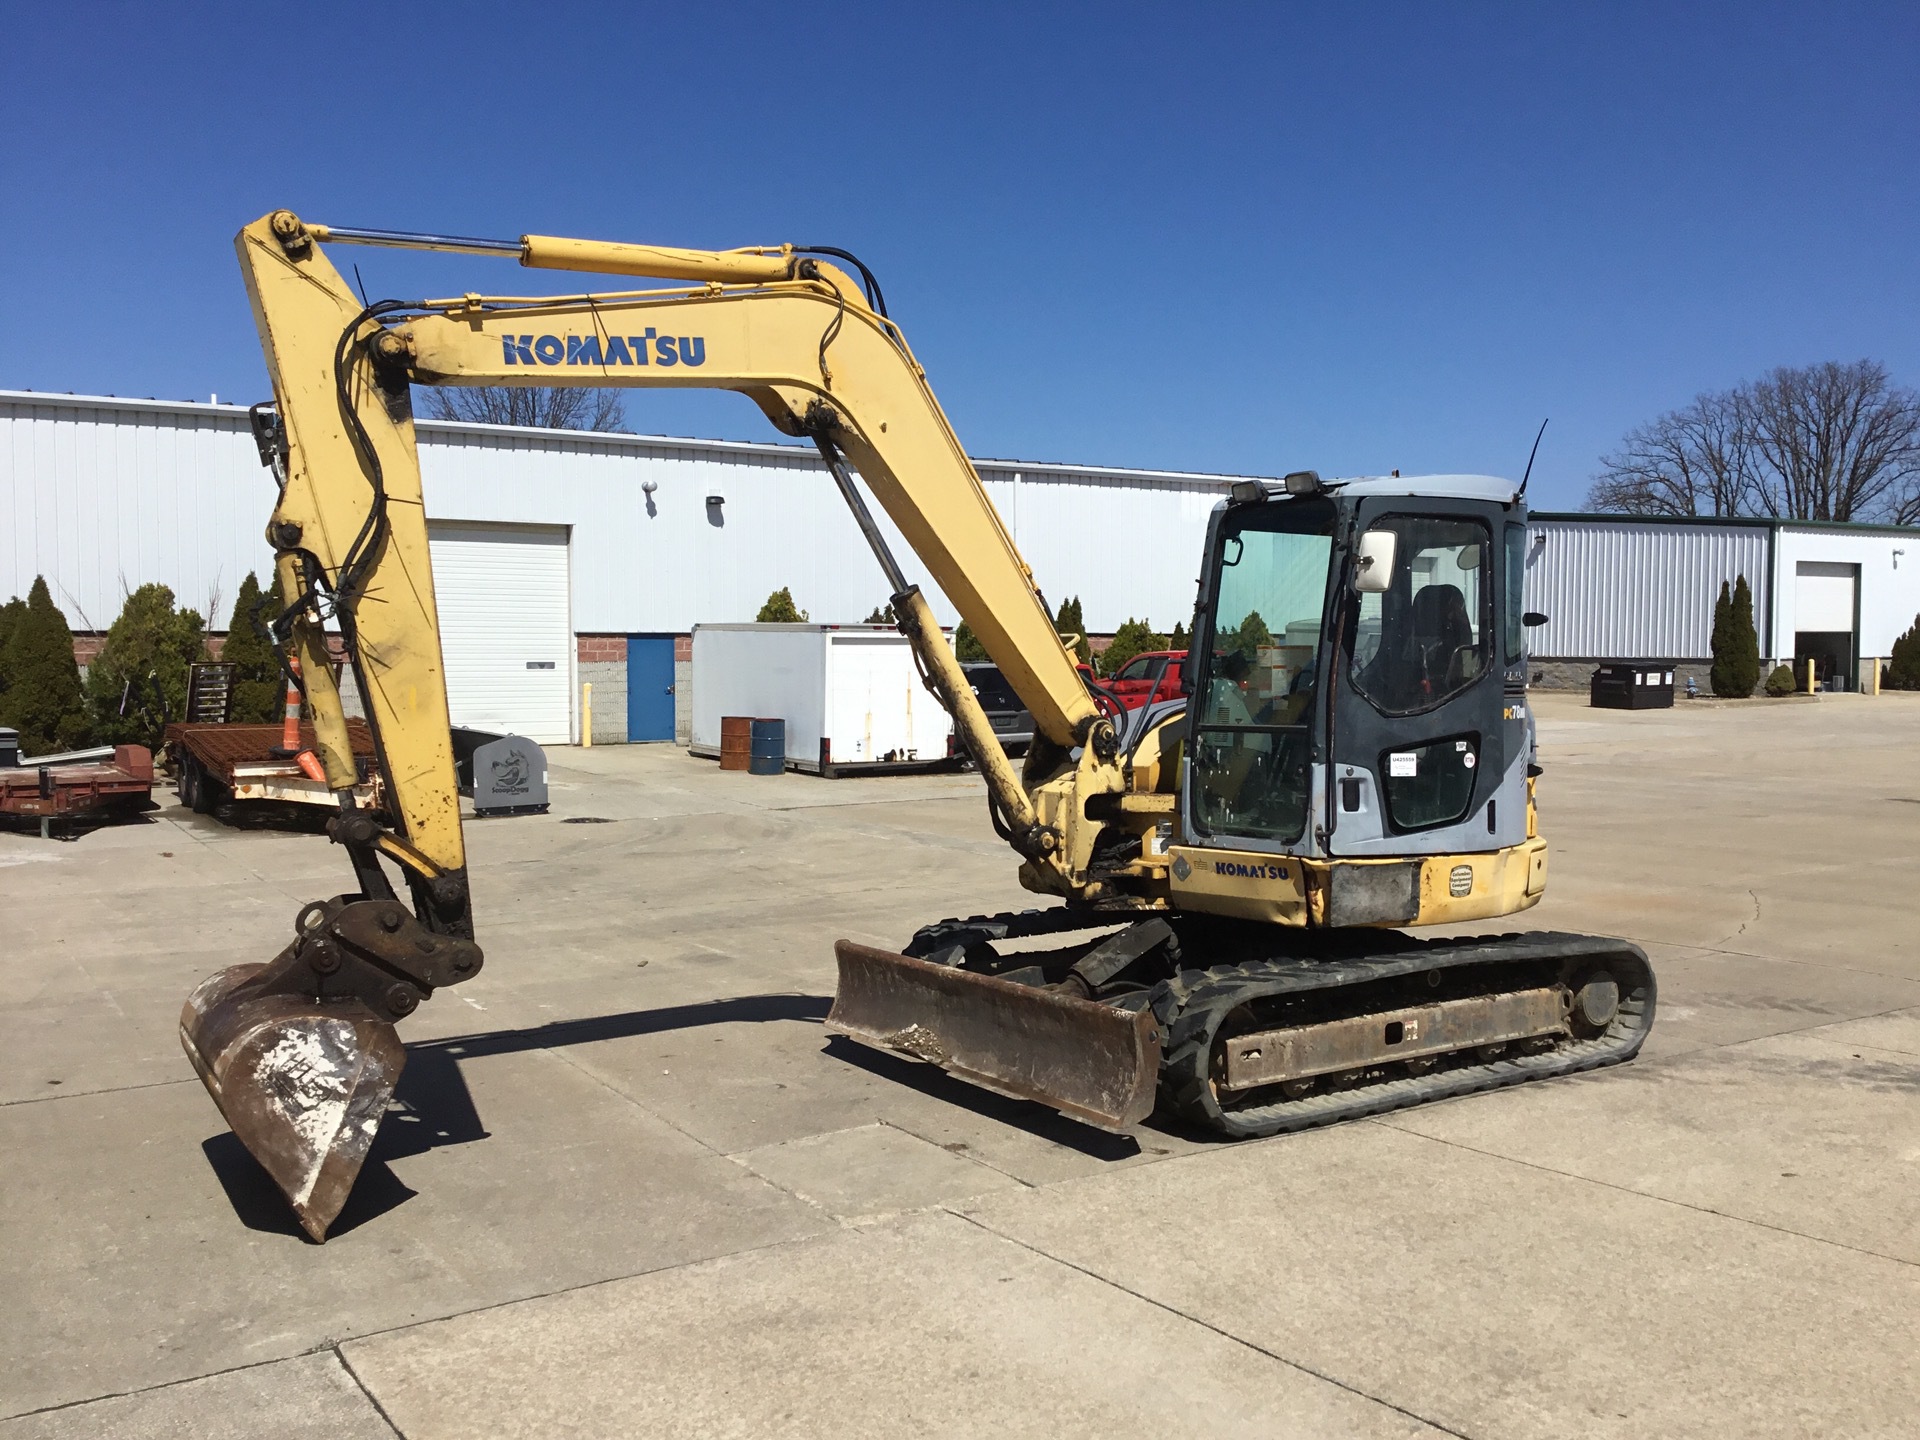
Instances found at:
x=258 y=1203
x=1028 y=1115
x=432 y=1105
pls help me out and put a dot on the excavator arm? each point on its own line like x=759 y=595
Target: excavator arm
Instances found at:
x=301 y=1054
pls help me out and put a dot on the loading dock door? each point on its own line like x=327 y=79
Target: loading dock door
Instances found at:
x=649 y=687
x=505 y=626
x=1825 y=620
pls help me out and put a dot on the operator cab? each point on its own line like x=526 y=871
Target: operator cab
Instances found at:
x=1359 y=669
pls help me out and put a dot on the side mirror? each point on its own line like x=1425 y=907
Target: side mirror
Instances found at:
x=1533 y=618
x=1373 y=562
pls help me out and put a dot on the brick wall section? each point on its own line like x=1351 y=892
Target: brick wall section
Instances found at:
x=598 y=649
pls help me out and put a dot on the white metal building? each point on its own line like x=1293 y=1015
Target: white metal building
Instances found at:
x=558 y=556
x=561 y=557
x=1639 y=588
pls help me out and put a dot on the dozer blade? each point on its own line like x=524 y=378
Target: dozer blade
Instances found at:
x=1094 y=1062
x=302 y=1082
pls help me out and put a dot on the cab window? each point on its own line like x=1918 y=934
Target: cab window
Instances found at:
x=1253 y=718
x=1428 y=637
x=1516 y=599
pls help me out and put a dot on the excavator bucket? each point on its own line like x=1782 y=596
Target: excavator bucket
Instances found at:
x=1097 y=1063
x=302 y=1082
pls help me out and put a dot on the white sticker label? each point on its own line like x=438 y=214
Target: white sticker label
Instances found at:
x=1467 y=760
x=1402 y=765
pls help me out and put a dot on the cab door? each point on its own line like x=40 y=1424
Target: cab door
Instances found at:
x=1422 y=760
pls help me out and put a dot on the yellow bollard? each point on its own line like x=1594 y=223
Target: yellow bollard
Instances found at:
x=1875 y=674
x=1809 y=675
x=586 y=714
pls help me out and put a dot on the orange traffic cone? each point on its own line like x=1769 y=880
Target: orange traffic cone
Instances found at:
x=290 y=745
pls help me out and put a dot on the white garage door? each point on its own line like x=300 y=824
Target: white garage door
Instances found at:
x=1824 y=596
x=505 y=626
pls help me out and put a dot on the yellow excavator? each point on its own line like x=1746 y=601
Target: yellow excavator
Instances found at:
x=1234 y=870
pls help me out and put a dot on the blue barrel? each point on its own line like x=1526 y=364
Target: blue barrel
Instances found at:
x=768 y=755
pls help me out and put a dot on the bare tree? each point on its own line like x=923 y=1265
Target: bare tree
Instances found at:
x=1820 y=442
x=548 y=407
x=1833 y=442
x=1692 y=461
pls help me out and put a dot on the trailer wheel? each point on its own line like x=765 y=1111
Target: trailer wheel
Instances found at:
x=205 y=789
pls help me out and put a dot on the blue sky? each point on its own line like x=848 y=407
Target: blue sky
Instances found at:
x=1238 y=238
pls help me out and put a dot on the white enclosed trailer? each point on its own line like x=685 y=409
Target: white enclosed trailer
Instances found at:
x=850 y=695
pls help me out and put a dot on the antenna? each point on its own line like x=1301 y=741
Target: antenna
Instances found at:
x=1530 y=454
x=363 y=287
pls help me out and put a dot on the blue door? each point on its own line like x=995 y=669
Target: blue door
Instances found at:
x=649 y=687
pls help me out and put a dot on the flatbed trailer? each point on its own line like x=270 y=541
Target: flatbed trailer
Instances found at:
x=64 y=792
x=216 y=766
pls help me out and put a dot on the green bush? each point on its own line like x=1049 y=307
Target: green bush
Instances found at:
x=1071 y=622
x=43 y=699
x=1780 y=682
x=966 y=645
x=1131 y=639
x=11 y=615
x=883 y=615
x=139 y=679
x=780 y=609
x=259 y=688
x=1178 y=639
x=1736 y=645
x=1903 y=666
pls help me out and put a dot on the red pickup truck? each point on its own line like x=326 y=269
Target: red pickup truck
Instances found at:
x=1155 y=674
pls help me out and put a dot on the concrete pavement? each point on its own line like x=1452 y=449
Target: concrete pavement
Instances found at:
x=631 y=1185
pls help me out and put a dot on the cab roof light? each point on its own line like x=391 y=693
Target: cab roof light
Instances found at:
x=1247 y=492
x=1303 y=482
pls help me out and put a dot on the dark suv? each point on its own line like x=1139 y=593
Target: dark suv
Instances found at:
x=1012 y=724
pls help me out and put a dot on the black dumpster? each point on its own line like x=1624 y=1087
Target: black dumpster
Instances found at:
x=1632 y=685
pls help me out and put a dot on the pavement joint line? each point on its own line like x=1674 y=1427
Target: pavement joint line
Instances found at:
x=193 y=834
x=372 y=1399
x=91 y=1094
x=559 y=1054
x=969 y=1155
x=1208 y=1325
x=541 y=1295
x=1386 y=1124
x=214 y=1374
x=1705 y=1049
x=335 y=1345
x=1771 y=959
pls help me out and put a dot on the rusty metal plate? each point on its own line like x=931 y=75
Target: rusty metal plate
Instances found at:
x=1297 y=1052
x=220 y=747
x=1093 y=1062
x=302 y=1083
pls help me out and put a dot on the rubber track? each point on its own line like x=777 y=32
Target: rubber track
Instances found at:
x=1210 y=996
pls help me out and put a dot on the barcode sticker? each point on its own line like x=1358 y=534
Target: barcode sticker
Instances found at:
x=1402 y=765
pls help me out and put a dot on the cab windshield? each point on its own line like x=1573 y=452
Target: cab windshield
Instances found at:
x=1253 y=717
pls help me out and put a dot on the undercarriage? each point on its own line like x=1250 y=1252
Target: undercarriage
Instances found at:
x=1237 y=1028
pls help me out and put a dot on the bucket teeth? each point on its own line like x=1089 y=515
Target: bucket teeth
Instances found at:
x=1094 y=1062
x=302 y=1082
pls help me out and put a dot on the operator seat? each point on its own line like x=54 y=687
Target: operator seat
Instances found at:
x=1443 y=639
